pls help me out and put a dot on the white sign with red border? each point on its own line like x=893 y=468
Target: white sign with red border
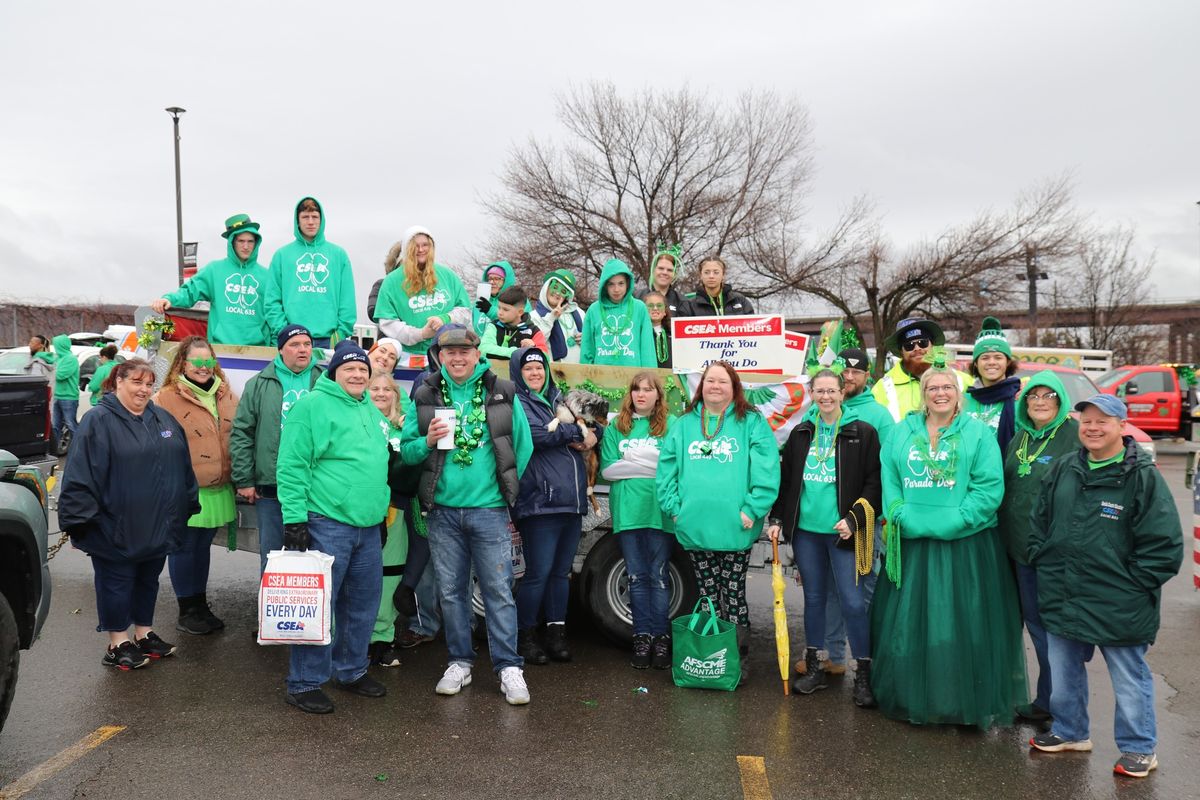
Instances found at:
x=750 y=343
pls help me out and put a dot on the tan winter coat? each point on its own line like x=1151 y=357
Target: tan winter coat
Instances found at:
x=207 y=438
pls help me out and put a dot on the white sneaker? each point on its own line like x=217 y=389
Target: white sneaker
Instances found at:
x=512 y=683
x=456 y=677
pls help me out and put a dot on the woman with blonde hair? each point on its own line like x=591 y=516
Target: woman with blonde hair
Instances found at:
x=418 y=297
x=196 y=394
x=629 y=460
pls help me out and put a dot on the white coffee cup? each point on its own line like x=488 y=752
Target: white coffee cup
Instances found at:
x=451 y=417
x=483 y=290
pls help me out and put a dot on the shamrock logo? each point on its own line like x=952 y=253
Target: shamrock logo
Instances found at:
x=289 y=400
x=241 y=290
x=616 y=333
x=312 y=268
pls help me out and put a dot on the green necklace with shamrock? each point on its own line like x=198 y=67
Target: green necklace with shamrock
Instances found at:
x=706 y=446
x=940 y=469
x=1024 y=460
x=466 y=440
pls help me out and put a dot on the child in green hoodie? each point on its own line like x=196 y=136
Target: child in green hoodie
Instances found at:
x=616 y=328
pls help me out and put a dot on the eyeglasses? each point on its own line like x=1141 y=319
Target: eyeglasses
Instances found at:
x=915 y=344
x=1047 y=396
x=825 y=392
x=203 y=363
x=951 y=389
x=656 y=306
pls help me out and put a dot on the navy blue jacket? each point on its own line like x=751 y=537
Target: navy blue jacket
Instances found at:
x=555 y=482
x=129 y=487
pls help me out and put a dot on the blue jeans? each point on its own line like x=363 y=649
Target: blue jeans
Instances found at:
x=835 y=625
x=458 y=539
x=646 y=553
x=63 y=412
x=1027 y=589
x=270 y=529
x=550 y=542
x=1134 y=723
x=126 y=592
x=189 y=564
x=822 y=562
x=357 y=583
x=428 y=620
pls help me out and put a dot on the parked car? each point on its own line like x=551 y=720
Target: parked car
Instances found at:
x=24 y=568
x=25 y=420
x=1155 y=400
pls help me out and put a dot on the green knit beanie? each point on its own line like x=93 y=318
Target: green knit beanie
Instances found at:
x=991 y=339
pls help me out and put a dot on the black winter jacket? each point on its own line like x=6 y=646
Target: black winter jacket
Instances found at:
x=129 y=487
x=733 y=303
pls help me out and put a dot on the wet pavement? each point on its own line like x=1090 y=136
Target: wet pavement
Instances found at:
x=212 y=723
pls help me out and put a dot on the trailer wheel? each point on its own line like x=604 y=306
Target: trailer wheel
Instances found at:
x=605 y=585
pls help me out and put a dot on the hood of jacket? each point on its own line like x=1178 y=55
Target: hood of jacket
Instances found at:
x=1046 y=378
x=510 y=277
x=328 y=386
x=549 y=393
x=612 y=268
x=320 y=237
x=62 y=345
x=232 y=255
x=544 y=306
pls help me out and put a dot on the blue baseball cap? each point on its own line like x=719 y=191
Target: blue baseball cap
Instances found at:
x=1106 y=404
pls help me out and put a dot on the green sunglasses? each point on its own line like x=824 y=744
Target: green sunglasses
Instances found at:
x=202 y=363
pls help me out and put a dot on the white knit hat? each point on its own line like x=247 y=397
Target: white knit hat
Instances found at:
x=410 y=233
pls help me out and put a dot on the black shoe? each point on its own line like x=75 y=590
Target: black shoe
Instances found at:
x=125 y=656
x=556 y=643
x=863 y=696
x=311 y=702
x=411 y=638
x=385 y=654
x=661 y=647
x=1033 y=714
x=814 y=674
x=191 y=619
x=205 y=610
x=405 y=600
x=154 y=647
x=641 y=651
x=366 y=686
x=529 y=649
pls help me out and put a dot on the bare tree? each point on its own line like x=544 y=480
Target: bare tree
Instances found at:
x=670 y=166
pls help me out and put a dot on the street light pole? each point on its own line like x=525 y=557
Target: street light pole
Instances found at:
x=175 y=111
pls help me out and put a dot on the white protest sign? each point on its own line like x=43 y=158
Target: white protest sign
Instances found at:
x=750 y=344
x=797 y=348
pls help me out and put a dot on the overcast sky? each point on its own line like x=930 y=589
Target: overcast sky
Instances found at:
x=394 y=114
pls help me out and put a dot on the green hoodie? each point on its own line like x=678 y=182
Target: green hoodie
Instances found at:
x=395 y=304
x=953 y=508
x=66 y=369
x=705 y=493
x=473 y=485
x=629 y=463
x=481 y=321
x=97 y=380
x=333 y=458
x=617 y=334
x=234 y=290
x=818 y=509
x=1041 y=450
x=311 y=284
x=869 y=410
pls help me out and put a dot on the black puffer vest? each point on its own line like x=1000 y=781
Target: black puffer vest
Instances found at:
x=498 y=406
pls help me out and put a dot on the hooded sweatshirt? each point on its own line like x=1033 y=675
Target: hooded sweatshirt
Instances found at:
x=234 y=289
x=958 y=505
x=403 y=317
x=66 y=372
x=559 y=331
x=617 y=334
x=479 y=320
x=899 y=393
x=1040 y=450
x=311 y=283
x=629 y=461
x=867 y=408
x=708 y=493
x=333 y=458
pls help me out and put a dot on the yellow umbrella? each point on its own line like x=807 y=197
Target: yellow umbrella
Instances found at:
x=782 y=647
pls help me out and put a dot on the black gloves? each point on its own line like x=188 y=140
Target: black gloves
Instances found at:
x=295 y=536
x=484 y=304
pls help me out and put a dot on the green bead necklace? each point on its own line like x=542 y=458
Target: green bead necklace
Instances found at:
x=465 y=441
x=1024 y=460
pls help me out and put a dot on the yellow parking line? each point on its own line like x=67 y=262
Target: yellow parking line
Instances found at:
x=754 y=778
x=48 y=768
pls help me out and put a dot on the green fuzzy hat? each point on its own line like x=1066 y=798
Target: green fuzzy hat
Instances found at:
x=991 y=339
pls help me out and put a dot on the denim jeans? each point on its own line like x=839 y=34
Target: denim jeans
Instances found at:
x=647 y=552
x=550 y=542
x=270 y=529
x=126 y=592
x=1027 y=589
x=357 y=577
x=189 y=564
x=821 y=563
x=428 y=620
x=1134 y=724
x=460 y=538
x=418 y=550
x=63 y=412
x=835 y=624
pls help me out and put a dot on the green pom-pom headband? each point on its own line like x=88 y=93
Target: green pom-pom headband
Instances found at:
x=838 y=365
x=674 y=252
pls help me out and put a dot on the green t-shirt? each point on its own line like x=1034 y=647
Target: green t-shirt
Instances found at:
x=818 y=502
x=1101 y=464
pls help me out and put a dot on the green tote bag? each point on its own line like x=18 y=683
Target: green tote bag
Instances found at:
x=704 y=650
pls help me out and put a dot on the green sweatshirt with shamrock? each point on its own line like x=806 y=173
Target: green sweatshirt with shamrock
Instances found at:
x=707 y=482
x=471 y=485
x=617 y=334
x=629 y=461
x=333 y=458
x=311 y=284
x=401 y=315
x=950 y=494
x=234 y=290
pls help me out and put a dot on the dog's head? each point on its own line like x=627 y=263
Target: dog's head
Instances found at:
x=587 y=406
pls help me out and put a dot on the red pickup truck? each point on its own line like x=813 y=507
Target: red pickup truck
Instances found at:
x=1156 y=400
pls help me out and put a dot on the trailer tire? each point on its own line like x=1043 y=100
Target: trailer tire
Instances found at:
x=605 y=588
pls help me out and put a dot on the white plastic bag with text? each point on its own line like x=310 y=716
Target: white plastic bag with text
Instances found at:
x=294 y=598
